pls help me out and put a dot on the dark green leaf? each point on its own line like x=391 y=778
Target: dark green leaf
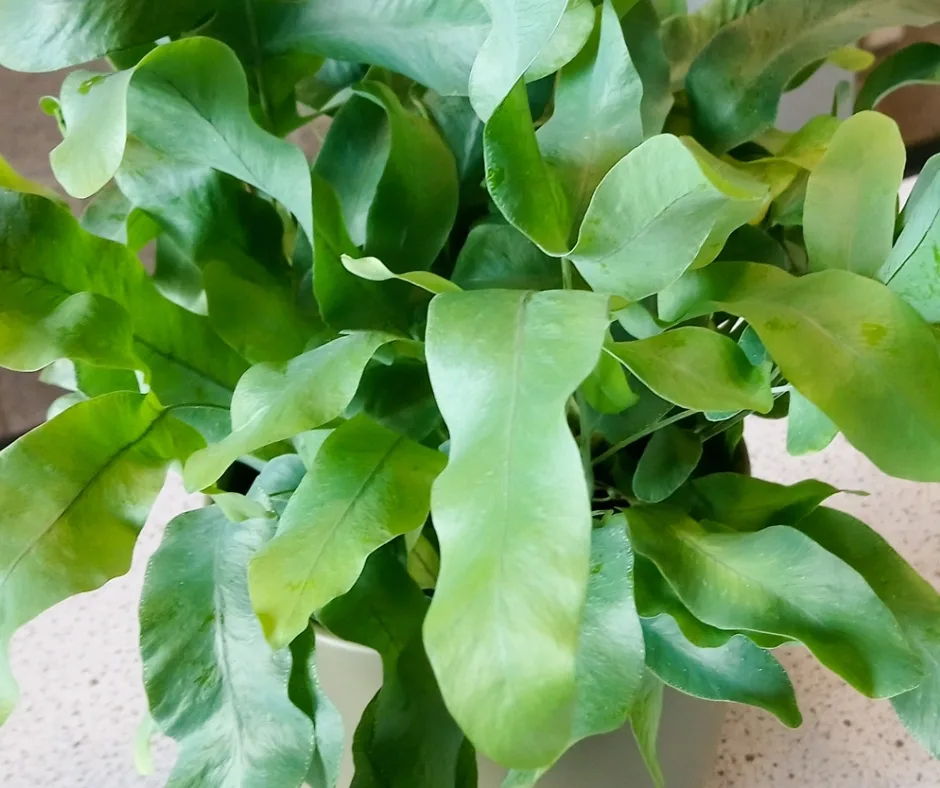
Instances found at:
x=514 y=471
x=499 y=256
x=212 y=681
x=780 y=582
x=366 y=486
x=641 y=31
x=861 y=334
x=667 y=462
x=99 y=466
x=738 y=671
x=918 y=64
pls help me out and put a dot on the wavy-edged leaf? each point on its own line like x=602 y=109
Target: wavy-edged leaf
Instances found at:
x=520 y=30
x=737 y=672
x=809 y=430
x=213 y=682
x=850 y=211
x=666 y=464
x=862 y=336
x=658 y=212
x=406 y=723
x=367 y=485
x=46 y=35
x=375 y=270
x=918 y=64
x=736 y=82
x=780 y=582
x=274 y=402
x=912 y=600
x=697 y=368
x=514 y=471
x=99 y=466
x=45 y=249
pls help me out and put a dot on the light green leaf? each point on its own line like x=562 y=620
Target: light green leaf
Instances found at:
x=809 y=430
x=143 y=756
x=862 y=336
x=366 y=486
x=99 y=466
x=276 y=402
x=278 y=481
x=610 y=664
x=606 y=389
x=698 y=369
x=780 y=582
x=407 y=722
x=597 y=118
x=918 y=64
x=912 y=600
x=658 y=212
x=566 y=42
x=45 y=35
x=520 y=31
x=645 y=716
x=738 y=672
x=109 y=214
x=667 y=462
x=499 y=256
x=375 y=270
x=514 y=471
x=12 y=180
x=213 y=682
x=736 y=82
x=850 y=212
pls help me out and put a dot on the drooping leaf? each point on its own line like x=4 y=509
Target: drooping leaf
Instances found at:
x=912 y=600
x=513 y=472
x=862 y=335
x=809 y=430
x=213 y=682
x=667 y=462
x=499 y=256
x=697 y=368
x=610 y=664
x=736 y=82
x=274 y=402
x=520 y=31
x=45 y=35
x=375 y=270
x=99 y=466
x=366 y=486
x=850 y=211
x=917 y=64
x=406 y=738
x=645 y=716
x=659 y=211
x=737 y=672
x=780 y=582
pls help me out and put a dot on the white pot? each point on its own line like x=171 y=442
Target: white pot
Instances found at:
x=688 y=738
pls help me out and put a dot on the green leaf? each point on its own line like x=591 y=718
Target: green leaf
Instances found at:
x=278 y=481
x=12 y=180
x=780 y=582
x=306 y=694
x=597 y=118
x=45 y=35
x=188 y=363
x=398 y=396
x=809 y=430
x=99 y=466
x=566 y=42
x=911 y=268
x=912 y=600
x=375 y=270
x=213 y=682
x=645 y=716
x=274 y=402
x=462 y=130
x=918 y=64
x=514 y=471
x=698 y=369
x=861 y=334
x=667 y=462
x=606 y=389
x=366 y=486
x=610 y=664
x=520 y=31
x=641 y=30
x=499 y=256
x=736 y=82
x=659 y=211
x=738 y=672
x=850 y=212
x=749 y=504
x=109 y=214
x=407 y=722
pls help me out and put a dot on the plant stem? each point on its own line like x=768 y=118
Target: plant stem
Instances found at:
x=642 y=434
x=584 y=439
x=567 y=278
